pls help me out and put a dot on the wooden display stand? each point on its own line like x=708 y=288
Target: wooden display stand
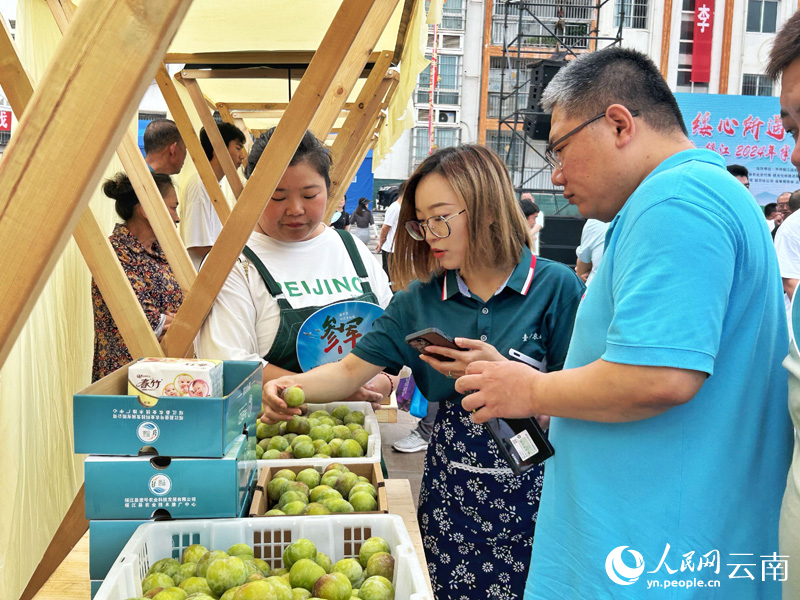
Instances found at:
x=51 y=157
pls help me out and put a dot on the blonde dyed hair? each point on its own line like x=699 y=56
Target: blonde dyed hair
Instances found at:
x=496 y=228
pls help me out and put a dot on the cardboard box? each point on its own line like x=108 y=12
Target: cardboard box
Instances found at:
x=106 y=541
x=181 y=488
x=151 y=378
x=108 y=538
x=371 y=471
x=109 y=422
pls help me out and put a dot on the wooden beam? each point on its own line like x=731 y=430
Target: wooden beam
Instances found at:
x=62 y=11
x=346 y=78
x=214 y=136
x=51 y=157
x=246 y=73
x=725 y=59
x=235 y=107
x=266 y=57
x=143 y=185
x=356 y=133
x=68 y=534
x=666 y=32
x=193 y=146
x=337 y=47
x=15 y=80
x=115 y=287
x=225 y=113
x=92 y=241
x=157 y=213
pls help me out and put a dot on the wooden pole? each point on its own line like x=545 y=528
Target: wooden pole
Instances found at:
x=51 y=165
x=214 y=136
x=356 y=133
x=193 y=146
x=92 y=241
x=143 y=185
x=42 y=195
x=115 y=287
x=337 y=47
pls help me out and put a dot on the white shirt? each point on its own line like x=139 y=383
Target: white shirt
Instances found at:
x=200 y=224
x=244 y=320
x=390 y=218
x=787 y=247
x=593 y=243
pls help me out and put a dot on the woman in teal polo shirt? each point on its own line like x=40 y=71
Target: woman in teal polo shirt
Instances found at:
x=468 y=245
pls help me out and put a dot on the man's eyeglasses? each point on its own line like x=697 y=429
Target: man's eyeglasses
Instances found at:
x=551 y=154
x=438 y=226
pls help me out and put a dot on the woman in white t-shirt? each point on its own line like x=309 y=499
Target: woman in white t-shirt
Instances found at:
x=292 y=266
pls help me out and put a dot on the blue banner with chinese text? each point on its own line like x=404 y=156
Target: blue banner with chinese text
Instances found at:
x=745 y=130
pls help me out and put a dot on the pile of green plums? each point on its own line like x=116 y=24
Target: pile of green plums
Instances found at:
x=306 y=574
x=321 y=434
x=336 y=490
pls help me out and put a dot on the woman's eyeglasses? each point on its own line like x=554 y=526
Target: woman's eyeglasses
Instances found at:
x=438 y=226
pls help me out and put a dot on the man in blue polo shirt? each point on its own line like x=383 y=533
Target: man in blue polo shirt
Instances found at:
x=669 y=424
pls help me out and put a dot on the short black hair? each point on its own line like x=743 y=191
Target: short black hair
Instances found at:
x=592 y=82
x=770 y=209
x=785 y=47
x=794 y=201
x=159 y=134
x=529 y=207
x=310 y=150
x=229 y=133
x=738 y=171
x=120 y=189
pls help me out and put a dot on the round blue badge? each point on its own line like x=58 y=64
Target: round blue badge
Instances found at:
x=331 y=333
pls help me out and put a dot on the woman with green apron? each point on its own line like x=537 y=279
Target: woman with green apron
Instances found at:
x=293 y=265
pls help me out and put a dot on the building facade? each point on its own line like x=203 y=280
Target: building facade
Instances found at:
x=485 y=47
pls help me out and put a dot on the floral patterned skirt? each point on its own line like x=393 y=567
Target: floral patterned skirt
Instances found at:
x=476 y=517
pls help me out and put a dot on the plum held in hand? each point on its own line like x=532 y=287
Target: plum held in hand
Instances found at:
x=294 y=396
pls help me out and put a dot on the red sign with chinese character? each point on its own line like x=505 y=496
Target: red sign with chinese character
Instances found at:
x=703 y=32
x=5 y=120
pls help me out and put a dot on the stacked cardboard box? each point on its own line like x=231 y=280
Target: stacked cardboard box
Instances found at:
x=182 y=458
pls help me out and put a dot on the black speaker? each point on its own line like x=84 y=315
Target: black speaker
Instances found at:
x=537 y=126
x=562 y=231
x=542 y=71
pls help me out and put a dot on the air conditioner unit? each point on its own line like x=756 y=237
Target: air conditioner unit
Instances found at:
x=448 y=116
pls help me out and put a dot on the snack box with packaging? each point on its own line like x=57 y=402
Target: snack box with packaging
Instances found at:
x=109 y=421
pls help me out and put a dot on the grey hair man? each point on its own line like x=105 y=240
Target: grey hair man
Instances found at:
x=164 y=149
x=662 y=442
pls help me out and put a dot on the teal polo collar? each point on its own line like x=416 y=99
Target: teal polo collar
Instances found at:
x=519 y=280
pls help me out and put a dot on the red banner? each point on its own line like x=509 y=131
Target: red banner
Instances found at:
x=703 y=32
x=5 y=120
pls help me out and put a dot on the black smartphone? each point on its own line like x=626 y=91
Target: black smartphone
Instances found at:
x=420 y=340
x=522 y=442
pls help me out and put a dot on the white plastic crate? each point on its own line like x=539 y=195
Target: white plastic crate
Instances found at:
x=338 y=536
x=372 y=455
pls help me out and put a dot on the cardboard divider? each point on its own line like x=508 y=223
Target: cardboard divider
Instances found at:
x=371 y=471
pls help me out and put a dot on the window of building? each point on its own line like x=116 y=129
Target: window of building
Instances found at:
x=762 y=16
x=684 y=82
x=448 y=87
x=756 y=85
x=635 y=13
x=516 y=26
x=443 y=137
x=453 y=14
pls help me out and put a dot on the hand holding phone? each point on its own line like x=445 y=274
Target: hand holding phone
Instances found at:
x=420 y=340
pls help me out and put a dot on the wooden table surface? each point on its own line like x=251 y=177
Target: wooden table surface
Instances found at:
x=71 y=580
